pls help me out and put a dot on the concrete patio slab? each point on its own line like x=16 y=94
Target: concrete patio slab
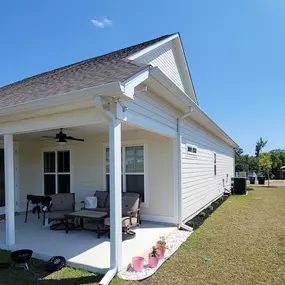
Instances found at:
x=82 y=249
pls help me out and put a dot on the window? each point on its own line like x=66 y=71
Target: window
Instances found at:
x=133 y=170
x=56 y=172
x=215 y=164
x=191 y=149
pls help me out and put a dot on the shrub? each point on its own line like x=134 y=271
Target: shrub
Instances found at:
x=202 y=214
x=210 y=208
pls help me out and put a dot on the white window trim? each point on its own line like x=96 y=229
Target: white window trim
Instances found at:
x=215 y=163
x=56 y=149
x=193 y=146
x=124 y=144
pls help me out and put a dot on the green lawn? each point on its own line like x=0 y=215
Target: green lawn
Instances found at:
x=244 y=238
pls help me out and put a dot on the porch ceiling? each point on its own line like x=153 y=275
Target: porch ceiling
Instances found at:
x=81 y=131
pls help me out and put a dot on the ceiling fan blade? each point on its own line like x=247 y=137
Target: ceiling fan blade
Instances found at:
x=74 y=139
x=49 y=137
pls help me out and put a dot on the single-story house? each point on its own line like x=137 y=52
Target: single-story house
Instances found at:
x=143 y=132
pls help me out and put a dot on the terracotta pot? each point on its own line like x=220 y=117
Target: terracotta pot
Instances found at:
x=152 y=261
x=160 y=252
x=138 y=263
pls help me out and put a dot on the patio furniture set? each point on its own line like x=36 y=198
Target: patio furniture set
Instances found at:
x=60 y=208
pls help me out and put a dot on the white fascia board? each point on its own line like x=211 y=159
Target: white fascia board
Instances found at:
x=186 y=67
x=181 y=97
x=151 y=47
x=128 y=86
x=165 y=81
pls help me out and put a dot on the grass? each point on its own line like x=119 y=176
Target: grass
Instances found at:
x=244 y=238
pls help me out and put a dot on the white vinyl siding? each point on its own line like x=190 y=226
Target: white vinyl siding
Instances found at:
x=153 y=112
x=164 y=58
x=200 y=185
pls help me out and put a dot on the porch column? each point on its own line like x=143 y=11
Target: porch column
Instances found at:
x=115 y=194
x=9 y=189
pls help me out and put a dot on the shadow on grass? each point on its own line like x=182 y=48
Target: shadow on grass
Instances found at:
x=71 y=281
x=38 y=275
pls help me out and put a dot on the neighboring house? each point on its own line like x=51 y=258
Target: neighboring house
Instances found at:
x=136 y=105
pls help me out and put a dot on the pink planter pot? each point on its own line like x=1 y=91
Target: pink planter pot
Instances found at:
x=152 y=261
x=160 y=252
x=138 y=263
x=158 y=245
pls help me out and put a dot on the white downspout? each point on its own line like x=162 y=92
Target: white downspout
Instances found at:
x=179 y=142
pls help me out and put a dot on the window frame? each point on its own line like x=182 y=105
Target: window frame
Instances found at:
x=56 y=173
x=191 y=152
x=125 y=144
x=215 y=164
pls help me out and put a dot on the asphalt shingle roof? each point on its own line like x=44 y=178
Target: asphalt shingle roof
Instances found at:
x=87 y=73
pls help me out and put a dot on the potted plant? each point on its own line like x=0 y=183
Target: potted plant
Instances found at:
x=138 y=263
x=153 y=258
x=161 y=247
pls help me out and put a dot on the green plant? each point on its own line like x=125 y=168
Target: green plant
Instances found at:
x=217 y=203
x=154 y=252
x=202 y=214
x=265 y=164
x=162 y=241
x=211 y=208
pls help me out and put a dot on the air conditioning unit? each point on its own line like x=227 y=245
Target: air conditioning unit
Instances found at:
x=239 y=185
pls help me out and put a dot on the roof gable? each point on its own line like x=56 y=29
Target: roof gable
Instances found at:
x=168 y=56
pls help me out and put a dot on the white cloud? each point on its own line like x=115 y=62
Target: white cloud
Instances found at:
x=103 y=23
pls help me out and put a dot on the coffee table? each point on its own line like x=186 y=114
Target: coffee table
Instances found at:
x=95 y=216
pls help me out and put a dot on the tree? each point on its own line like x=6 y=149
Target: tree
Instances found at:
x=260 y=144
x=239 y=151
x=265 y=164
x=278 y=160
x=253 y=164
x=240 y=160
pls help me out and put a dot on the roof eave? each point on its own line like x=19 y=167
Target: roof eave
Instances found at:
x=123 y=90
x=109 y=89
x=182 y=101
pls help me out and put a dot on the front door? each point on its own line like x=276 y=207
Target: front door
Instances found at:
x=2 y=182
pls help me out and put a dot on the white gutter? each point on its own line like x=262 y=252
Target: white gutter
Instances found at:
x=109 y=276
x=179 y=142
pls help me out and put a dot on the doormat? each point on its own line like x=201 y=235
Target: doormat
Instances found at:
x=173 y=242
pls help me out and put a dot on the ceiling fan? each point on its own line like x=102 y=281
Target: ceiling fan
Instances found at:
x=62 y=138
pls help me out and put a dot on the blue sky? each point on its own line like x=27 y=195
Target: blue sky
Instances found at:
x=235 y=50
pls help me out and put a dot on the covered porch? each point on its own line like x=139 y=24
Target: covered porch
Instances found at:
x=102 y=162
